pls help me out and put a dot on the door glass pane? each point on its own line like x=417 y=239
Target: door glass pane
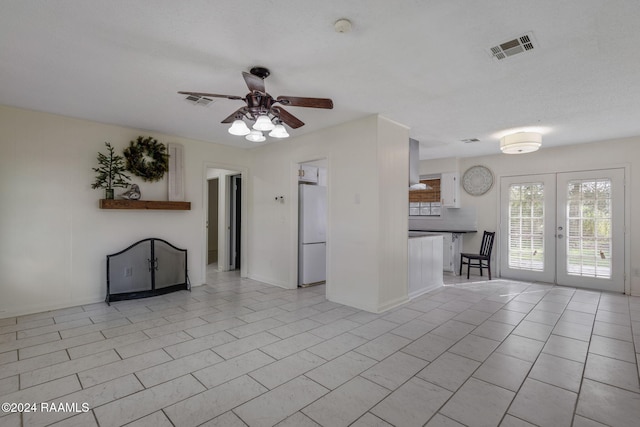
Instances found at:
x=526 y=226
x=588 y=228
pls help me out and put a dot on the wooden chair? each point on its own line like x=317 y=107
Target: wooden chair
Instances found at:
x=480 y=260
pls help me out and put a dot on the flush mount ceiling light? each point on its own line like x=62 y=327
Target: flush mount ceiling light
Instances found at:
x=520 y=143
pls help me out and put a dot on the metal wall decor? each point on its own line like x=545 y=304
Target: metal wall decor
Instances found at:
x=477 y=180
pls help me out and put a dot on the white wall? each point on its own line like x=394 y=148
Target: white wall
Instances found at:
x=367 y=231
x=53 y=238
x=393 y=269
x=599 y=155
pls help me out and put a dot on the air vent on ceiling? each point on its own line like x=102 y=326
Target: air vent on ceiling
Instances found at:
x=199 y=100
x=470 y=140
x=518 y=45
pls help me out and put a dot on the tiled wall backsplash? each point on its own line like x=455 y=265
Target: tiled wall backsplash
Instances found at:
x=463 y=219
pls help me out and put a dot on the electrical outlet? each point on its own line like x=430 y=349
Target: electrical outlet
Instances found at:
x=128 y=272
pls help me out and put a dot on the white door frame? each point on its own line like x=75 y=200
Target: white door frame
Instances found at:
x=215 y=224
x=627 y=213
x=244 y=212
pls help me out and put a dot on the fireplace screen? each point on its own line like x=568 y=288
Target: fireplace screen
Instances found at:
x=146 y=268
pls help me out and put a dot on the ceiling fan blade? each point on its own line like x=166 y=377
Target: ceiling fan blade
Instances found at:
x=287 y=118
x=239 y=112
x=254 y=83
x=212 y=95
x=296 y=101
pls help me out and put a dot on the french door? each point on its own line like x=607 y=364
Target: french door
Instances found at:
x=565 y=228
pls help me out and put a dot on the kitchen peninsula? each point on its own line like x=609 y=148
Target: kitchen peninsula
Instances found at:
x=452 y=224
x=425 y=263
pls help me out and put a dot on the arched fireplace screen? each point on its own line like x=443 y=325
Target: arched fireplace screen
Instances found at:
x=146 y=268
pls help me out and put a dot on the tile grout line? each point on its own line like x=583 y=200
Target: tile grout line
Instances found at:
x=584 y=367
x=471 y=376
x=506 y=412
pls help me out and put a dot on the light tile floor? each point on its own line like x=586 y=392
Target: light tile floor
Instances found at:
x=238 y=352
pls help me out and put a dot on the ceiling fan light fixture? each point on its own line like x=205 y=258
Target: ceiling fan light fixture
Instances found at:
x=239 y=128
x=260 y=108
x=520 y=143
x=279 y=131
x=263 y=123
x=255 y=136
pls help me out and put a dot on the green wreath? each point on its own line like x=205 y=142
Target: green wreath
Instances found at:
x=147 y=148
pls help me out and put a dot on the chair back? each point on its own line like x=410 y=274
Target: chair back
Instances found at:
x=487 y=243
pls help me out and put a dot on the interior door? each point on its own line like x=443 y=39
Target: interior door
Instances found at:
x=565 y=228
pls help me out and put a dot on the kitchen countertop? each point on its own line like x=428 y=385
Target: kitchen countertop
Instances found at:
x=414 y=235
x=443 y=231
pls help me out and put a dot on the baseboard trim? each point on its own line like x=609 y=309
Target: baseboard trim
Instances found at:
x=416 y=294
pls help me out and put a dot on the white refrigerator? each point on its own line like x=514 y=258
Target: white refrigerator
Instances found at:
x=312 y=235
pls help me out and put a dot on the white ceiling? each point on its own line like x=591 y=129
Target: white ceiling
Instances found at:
x=425 y=64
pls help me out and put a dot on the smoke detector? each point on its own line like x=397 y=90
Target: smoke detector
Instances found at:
x=342 y=26
x=520 y=44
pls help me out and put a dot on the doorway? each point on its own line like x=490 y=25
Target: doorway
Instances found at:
x=565 y=228
x=224 y=221
x=312 y=223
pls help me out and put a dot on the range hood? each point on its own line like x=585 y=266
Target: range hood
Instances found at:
x=414 y=166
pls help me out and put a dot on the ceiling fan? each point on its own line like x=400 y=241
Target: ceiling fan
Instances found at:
x=266 y=111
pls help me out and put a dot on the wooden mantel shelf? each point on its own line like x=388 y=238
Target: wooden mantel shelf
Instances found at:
x=144 y=204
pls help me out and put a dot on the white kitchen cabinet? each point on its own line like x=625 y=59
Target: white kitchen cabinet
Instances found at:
x=322 y=177
x=450 y=189
x=308 y=173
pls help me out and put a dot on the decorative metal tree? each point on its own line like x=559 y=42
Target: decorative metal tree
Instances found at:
x=110 y=172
